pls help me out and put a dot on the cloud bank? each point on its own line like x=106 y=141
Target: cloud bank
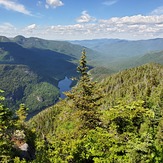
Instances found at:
x=128 y=27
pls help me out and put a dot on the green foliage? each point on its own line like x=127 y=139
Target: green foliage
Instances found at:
x=98 y=73
x=12 y=130
x=23 y=67
x=129 y=117
x=125 y=129
x=6 y=125
x=85 y=96
x=42 y=95
x=127 y=134
x=21 y=85
x=43 y=123
x=17 y=160
x=21 y=114
x=142 y=82
x=14 y=80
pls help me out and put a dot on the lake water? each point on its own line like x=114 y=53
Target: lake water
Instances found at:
x=64 y=85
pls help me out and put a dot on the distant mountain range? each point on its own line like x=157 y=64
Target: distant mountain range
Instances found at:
x=122 y=48
x=62 y=47
x=50 y=61
x=119 y=54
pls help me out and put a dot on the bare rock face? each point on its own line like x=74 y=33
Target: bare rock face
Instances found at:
x=23 y=150
x=24 y=147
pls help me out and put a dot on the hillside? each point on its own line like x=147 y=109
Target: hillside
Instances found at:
x=119 y=54
x=23 y=69
x=22 y=85
x=151 y=57
x=98 y=73
x=130 y=115
x=144 y=82
x=49 y=65
x=62 y=47
x=156 y=57
x=116 y=66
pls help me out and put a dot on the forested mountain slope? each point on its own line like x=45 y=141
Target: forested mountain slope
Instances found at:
x=151 y=57
x=62 y=47
x=22 y=85
x=49 y=65
x=129 y=120
x=144 y=82
x=50 y=61
x=22 y=70
x=53 y=60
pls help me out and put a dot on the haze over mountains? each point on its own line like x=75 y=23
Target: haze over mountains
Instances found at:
x=120 y=48
x=119 y=54
x=50 y=61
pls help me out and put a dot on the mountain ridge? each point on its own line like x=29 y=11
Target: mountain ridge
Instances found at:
x=52 y=60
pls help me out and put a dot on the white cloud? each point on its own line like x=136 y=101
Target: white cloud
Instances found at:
x=157 y=11
x=138 y=26
x=10 y=5
x=53 y=3
x=7 y=29
x=85 y=18
x=110 y=2
x=136 y=19
x=30 y=28
x=128 y=27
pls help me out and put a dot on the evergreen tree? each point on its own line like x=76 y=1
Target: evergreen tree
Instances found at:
x=86 y=95
x=21 y=114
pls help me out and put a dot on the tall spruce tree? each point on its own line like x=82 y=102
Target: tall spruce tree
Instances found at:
x=86 y=95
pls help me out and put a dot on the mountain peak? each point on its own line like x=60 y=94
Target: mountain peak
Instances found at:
x=4 y=39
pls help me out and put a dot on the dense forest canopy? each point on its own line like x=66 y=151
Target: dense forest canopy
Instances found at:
x=119 y=119
x=129 y=124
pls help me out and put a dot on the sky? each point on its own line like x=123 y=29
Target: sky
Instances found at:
x=82 y=19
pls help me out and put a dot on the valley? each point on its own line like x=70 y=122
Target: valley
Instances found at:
x=27 y=64
x=117 y=102
x=81 y=81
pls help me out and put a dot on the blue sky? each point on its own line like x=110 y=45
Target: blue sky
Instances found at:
x=86 y=19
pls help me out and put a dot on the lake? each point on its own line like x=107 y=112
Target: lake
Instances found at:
x=64 y=85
